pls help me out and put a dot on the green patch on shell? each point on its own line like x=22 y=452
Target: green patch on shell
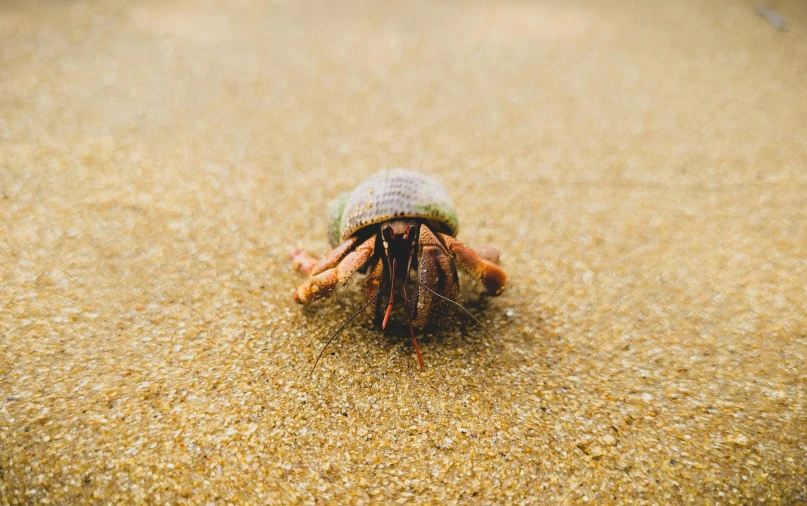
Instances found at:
x=335 y=211
x=442 y=214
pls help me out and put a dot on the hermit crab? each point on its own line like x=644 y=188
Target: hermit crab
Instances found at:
x=399 y=228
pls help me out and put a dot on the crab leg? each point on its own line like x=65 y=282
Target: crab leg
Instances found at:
x=490 y=275
x=372 y=285
x=406 y=298
x=322 y=284
x=310 y=266
x=436 y=271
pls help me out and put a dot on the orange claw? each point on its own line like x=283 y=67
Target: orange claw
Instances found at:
x=321 y=284
x=317 y=287
x=489 y=274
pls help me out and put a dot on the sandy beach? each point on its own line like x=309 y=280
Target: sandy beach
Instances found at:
x=642 y=167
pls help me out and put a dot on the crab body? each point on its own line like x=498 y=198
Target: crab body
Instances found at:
x=399 y=227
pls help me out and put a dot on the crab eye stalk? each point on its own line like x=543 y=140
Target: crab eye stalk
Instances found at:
x=387 y=233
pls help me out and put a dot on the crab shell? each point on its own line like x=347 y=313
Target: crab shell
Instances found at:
x=389 y=195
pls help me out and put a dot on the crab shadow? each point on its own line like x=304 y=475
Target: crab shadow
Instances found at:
x=480 y=334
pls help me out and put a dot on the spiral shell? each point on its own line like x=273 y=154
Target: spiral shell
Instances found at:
x=388 y=195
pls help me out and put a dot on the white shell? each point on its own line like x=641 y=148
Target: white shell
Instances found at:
x=388 y=195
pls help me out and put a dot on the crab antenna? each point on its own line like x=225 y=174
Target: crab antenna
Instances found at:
x=387 y=235
x=456 y=304
x=340 y=329
x=409 y=315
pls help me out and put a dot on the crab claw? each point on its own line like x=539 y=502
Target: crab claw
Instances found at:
x=302 y=261
x=490 y=253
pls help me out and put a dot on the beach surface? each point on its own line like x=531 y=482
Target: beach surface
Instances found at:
x=642 y=167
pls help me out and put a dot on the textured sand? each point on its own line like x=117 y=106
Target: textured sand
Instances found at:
x=642 y=167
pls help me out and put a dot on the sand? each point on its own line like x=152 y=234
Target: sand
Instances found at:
x=641 y=166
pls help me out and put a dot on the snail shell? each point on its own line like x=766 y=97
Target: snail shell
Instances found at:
x=389 y=195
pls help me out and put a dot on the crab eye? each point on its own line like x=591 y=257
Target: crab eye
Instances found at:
x=387 y=233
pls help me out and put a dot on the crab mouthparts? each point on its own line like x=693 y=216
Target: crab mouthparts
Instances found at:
x=403 y=248
x=393 y=241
